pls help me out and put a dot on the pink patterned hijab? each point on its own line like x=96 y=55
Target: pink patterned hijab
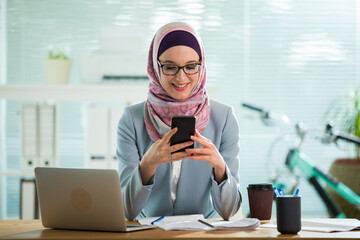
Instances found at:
x=160 y=106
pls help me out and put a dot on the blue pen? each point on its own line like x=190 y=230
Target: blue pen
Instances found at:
x=281 y=192
x=296 y=192
x=276 y=192
x=156 y=220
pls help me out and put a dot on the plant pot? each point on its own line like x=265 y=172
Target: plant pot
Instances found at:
x=346 y=171
x=57 y=71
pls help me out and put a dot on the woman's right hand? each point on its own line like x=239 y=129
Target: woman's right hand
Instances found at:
x=161 y=152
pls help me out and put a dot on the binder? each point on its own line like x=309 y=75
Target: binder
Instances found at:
x=29 y=204
x=29 y=138
x=102 y=136
x=39 y=127
x=38 y=137
x=47 y=135
x=97 y=137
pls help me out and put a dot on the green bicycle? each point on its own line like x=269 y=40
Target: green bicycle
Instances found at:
x=297 y=159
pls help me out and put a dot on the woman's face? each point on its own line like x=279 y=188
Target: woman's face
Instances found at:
x=179 y=86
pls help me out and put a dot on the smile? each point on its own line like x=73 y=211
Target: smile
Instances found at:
x=181 y=87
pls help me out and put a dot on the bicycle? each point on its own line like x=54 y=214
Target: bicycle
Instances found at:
x=296 y=159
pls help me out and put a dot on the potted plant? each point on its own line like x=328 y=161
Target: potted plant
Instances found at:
x=345 y=113
x=57 y=66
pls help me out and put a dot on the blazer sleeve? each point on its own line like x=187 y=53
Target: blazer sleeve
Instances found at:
x=226 y=195
x=134 y=193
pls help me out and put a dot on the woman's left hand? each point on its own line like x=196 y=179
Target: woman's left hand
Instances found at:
x=210 y=154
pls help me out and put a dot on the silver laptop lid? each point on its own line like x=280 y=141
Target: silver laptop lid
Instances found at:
x=87 y=199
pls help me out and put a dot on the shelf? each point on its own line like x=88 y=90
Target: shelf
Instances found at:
x=128 y=92
x=120 y=92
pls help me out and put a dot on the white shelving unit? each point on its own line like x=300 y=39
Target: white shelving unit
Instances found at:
x=131 y=92
x=128 y=92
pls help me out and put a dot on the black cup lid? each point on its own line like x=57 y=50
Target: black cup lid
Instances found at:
x=261 y=186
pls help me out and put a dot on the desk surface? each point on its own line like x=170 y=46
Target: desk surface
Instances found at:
x=33 y=229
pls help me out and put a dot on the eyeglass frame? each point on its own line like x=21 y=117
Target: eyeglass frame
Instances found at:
x=182 y=67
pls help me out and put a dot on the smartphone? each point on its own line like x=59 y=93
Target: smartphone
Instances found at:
x=186 y=128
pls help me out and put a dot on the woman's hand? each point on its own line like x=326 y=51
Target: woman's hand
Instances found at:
x=161 y=152
x=210 y=154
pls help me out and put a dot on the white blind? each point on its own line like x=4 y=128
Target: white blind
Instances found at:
x=298 y=55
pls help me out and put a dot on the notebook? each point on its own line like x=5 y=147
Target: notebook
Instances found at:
x=82 y=199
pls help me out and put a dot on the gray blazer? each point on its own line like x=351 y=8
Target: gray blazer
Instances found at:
x=197 y=190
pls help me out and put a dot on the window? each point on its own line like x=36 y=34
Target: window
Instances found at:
x=293 y=57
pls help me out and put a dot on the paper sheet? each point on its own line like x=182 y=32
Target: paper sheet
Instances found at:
x=191 y=223
x=184 y=226
x=171 y=219
x=243 y=224
x=324 y=224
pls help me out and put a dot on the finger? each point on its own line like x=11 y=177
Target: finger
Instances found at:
x=197 y=133
x=200 y=158
x=201 y=140
x=202 y=151
x=180 y=156
x=180 y=146
x=167 y=136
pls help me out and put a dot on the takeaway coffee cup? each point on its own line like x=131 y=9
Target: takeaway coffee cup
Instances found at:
x=260 y=200
x=288 y=214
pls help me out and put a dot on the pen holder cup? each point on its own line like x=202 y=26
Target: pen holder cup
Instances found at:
x=288 y=214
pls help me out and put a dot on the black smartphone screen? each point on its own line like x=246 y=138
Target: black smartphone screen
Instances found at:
x=186 y=128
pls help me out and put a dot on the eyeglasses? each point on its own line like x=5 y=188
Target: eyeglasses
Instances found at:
x=172 y=70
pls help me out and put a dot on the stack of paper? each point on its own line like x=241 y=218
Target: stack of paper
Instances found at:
x=192 y=223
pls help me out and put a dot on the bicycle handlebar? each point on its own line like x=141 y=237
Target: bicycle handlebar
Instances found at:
x=266 y=115
x=331 y=136
x=252 y=107
x=340 y=135
x=349 y=138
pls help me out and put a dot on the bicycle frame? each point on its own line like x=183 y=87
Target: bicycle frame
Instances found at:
x=297 y=159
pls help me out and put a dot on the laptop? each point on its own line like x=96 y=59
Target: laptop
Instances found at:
x=82 y=199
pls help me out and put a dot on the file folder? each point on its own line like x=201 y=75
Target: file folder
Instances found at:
x=47 y=135
x=29 y=204
x=97 y=136
x=29 y=138
x=102 y=136
x=39 y=127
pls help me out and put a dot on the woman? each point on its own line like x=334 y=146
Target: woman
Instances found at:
x=155 y=179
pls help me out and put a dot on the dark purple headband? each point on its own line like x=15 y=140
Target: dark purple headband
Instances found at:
x=177 y=38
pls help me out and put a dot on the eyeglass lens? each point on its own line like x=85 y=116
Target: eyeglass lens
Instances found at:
x=189 y=69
